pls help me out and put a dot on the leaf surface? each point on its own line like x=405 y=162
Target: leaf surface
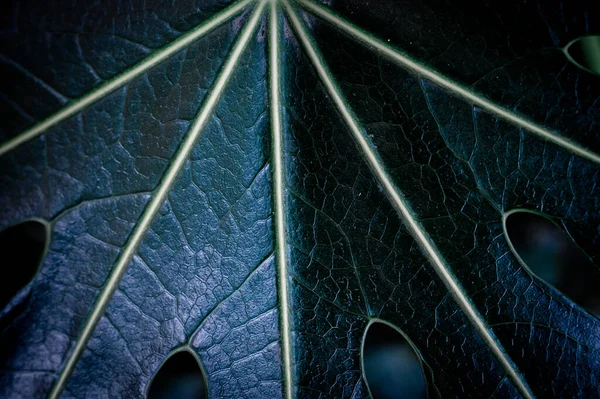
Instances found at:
x=290 y=174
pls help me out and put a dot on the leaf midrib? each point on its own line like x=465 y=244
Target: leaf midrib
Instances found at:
x=278 y=198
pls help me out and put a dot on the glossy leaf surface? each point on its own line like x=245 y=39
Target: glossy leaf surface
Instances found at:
x=258 y=181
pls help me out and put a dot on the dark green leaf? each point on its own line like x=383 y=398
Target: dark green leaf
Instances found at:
x=259 y=182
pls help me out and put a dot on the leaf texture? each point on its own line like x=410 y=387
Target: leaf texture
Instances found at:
x=266 y=236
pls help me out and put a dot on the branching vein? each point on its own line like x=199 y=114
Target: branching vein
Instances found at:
x=445 y=82
x=114 y=83
x=159 y=196
x=402 y=207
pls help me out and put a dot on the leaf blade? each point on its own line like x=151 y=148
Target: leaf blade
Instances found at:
x=447 y=83
x=404 y=210
x=76 y=106
x=156 y=202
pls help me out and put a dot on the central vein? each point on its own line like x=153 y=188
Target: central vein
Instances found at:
x=279 y=200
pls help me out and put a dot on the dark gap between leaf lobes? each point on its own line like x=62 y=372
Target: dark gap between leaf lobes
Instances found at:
x=551 y=255
x=585 y=53
x=23 y=247
x=179 y=377
x=391 y=366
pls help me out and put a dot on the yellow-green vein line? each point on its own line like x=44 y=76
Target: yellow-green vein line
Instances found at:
x=445 y=82
x=158 y=198
x=114 y=83
x=279 y=200
x=403 y=208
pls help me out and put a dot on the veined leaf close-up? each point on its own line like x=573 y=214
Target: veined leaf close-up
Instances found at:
x=257 y=195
